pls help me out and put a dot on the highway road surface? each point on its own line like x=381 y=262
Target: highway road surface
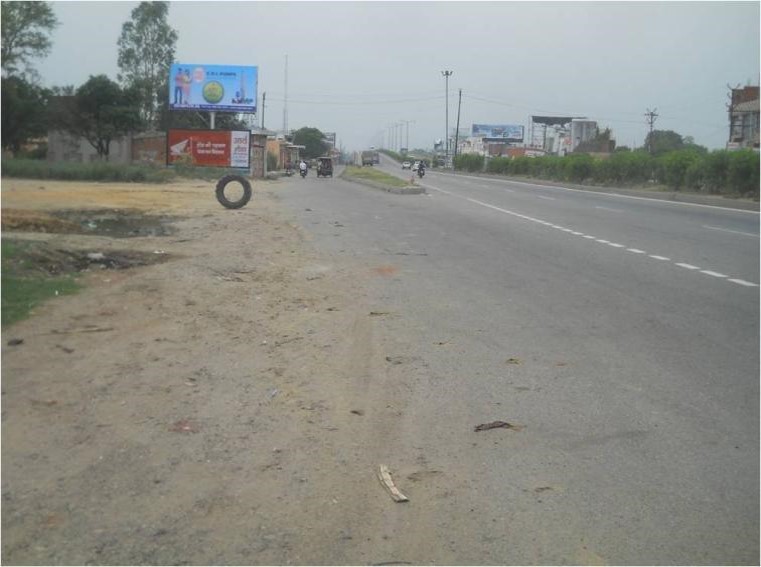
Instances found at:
x=618 y=335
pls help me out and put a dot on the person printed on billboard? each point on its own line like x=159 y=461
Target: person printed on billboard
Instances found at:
x=179 y=82
x=186 y=81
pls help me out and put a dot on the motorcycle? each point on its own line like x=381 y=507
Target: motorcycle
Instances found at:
x=420 y=172
x=303 y=173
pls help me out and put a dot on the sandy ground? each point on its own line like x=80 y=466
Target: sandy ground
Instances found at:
x=219 y=407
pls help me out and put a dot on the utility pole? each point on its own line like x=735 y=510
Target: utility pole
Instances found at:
x=264 y=105
x=285 y=103
x=446 y=75
x=457 y=131
x=651 y=115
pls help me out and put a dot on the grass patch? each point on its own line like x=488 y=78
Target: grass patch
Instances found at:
x=23 y=289
x=372 y=174
x=109 y=172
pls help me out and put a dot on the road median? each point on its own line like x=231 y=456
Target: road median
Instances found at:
x=380 y=180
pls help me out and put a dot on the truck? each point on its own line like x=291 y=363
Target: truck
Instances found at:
x=368 y=158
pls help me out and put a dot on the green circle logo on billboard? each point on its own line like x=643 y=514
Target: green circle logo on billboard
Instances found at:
x=213 y=92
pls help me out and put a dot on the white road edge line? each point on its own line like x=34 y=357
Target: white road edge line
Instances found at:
x=732 y=231
x=743 y=282
x=613 y=244
x=714 y=274
x=614 y=195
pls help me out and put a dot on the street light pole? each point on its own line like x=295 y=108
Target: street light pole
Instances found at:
x=407 y=123
x=446 y=75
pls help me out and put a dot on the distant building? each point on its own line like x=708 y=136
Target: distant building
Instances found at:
x=744 y=119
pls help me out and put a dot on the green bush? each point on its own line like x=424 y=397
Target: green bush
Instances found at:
x=672 y=167
x=578 y=167
x=625 y=168
x=469 y=162
x=96 y=171
x=499 y=165
x=742 y=174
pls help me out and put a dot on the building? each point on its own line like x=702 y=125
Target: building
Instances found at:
x=744 y=119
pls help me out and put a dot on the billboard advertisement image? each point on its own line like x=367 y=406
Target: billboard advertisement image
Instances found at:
x=503 y=132
x=225 y=88
x=210 y=148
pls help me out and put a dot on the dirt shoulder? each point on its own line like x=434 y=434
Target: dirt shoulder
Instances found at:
x=219 y=406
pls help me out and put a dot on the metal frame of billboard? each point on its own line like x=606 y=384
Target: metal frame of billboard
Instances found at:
x=215 y=133
x=222 y=88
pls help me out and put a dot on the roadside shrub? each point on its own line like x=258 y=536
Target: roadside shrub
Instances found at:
x=578 y=167
x=625 y=168
x=499 y=165
x=520 y=165
x=673 y=166
x=469 y=162
x=97 y=171
x=743 y=174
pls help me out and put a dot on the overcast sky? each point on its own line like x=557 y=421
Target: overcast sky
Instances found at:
x=355 y=68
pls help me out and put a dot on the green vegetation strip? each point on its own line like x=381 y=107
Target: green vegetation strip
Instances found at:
x=721 y=172
x=22 y=289
x=103 y=171
x=372 y=174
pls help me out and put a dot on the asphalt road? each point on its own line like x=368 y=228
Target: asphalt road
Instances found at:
x=621 y=333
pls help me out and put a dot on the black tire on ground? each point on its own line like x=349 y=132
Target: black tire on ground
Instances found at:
x=227 y=203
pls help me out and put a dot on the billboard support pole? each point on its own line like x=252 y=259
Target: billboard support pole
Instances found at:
x=213 y=117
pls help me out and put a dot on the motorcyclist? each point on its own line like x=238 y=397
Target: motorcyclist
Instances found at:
x=421 y=168
x=303 y=167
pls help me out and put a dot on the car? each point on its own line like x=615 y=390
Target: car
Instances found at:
x=414 y=167
x=406 y=165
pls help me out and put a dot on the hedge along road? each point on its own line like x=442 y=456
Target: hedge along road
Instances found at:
x=620 y=333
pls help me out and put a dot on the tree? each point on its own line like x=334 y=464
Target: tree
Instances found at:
x=313 y=141
x=23 y=109
x=100 y=111
x=166 y=119
x=146 y=52
x=601 y=143
x=663 y=141
x=25 y=29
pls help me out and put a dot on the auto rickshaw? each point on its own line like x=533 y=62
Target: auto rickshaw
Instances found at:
x=324 y=167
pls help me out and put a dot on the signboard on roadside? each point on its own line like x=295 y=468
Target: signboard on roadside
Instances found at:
x=498 y=132
x=224 y=88
x=209 y=148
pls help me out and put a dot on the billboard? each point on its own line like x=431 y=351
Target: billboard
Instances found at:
x=210 y=148
x=225 y=88
x=503 y=132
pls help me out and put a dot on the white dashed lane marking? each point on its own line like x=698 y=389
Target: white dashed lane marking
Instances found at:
x=601 y=241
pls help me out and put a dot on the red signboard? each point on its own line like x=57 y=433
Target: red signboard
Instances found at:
x=211 y=148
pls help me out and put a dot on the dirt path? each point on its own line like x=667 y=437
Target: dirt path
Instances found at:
x=227 y=405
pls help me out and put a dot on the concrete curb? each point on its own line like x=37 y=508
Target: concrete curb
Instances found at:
x=409 y=190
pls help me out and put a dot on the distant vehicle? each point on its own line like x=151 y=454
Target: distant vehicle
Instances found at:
x=324 y=167
x=415 y=166
x=368 y=158
x=406 y=165
x=376 y=158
